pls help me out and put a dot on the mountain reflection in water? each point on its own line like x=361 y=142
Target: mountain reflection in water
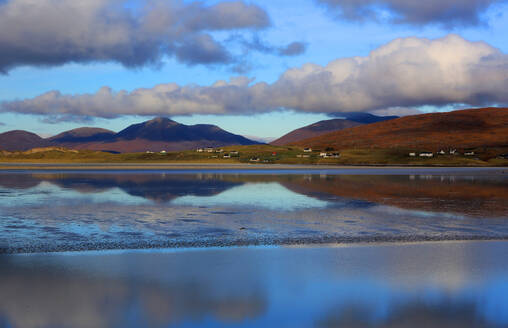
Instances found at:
x=82 y=210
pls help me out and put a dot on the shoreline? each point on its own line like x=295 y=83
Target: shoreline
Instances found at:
x=22 y=166
x=284 y=242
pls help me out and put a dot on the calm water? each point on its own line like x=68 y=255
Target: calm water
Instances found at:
x=431 y=284
x=47 y=211
x=443 y=284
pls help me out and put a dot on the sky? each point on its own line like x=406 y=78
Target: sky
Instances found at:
x=255 y=68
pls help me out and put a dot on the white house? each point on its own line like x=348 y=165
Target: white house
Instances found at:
x=322 y=154
x=469 y=153
x=412 y=154
x=453 y=151
x=226 y=156
x=441 y=152
x=426 y=154
x=307 y=150
x=163 y=152
x=200 y=150
x=209 y=150
x=233 y=152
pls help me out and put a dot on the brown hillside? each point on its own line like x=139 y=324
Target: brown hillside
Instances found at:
x=314 y=130
x=462 y=129
x=21 y=140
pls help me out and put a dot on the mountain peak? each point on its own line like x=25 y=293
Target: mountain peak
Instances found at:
x=161 y=120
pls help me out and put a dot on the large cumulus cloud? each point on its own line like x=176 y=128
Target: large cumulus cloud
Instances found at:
x=449 y=13
x=50 y=32
x=405 y=73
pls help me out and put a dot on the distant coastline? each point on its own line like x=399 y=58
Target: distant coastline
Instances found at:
x=196 y=166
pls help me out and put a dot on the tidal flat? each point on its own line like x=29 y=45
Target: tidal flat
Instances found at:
x=328 y=247
x=43 y=211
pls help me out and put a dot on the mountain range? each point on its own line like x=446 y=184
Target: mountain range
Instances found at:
x=154 y=135
x=346 y=120
x=461 y=129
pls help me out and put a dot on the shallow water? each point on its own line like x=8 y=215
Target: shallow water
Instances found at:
x=437 y=284
x=52 y=211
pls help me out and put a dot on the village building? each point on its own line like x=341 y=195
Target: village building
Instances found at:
x=307 y=150
x=233 y=152
x=200 y=150
x=426 y=154
x=453 y=151
x=441 y=152
x=226 y=156
x=469 y=153
x=209 y=150
x=329 y=155
x=163 y=152
x=412 y=154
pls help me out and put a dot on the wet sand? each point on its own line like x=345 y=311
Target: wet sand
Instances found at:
x=432 y=284
x=245 y=167
x=88 y=210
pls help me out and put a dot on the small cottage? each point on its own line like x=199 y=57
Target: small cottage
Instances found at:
x=307 y=150
x=427 y=154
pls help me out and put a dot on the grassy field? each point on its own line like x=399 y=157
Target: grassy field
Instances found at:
x=265 y=154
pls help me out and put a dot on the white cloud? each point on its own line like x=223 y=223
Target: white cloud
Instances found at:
x=405 y=73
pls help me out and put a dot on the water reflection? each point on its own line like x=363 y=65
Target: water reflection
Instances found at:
x=459 y=284
x=88 y=210
x=256 y=195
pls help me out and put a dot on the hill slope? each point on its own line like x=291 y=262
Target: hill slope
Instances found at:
x=314 y=130
x=346 y=120
x=462 y=129
x=85 y=134
x=21 y=140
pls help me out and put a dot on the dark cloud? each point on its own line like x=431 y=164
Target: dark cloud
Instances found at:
x=255 y=43
x=48 y=32
x=448 y=13
x=293 y=49
x=202 y=49
x=397 y=77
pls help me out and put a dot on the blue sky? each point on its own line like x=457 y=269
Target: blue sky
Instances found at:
x=326 y=36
